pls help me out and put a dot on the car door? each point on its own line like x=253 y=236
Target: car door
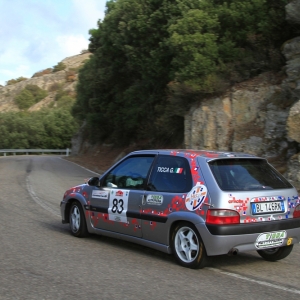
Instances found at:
x=170 y=179
x=116 y=205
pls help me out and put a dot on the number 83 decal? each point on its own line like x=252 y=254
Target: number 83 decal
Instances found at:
x=118 y=204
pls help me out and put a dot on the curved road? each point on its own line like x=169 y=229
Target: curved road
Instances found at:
x=39 y=259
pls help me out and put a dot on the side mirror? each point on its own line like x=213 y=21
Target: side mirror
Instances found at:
x=94 y=181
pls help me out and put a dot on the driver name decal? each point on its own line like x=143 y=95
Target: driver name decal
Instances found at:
x=169 y=170
x=118 y=205
x=196 y=197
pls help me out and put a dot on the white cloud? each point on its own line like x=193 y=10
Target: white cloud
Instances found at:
x=90 y=11
x=72 y=44
x=35 y=35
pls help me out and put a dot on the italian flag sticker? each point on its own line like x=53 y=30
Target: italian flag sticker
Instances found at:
x=178 y=170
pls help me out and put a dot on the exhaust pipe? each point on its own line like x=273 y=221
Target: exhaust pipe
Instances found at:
x=233 y=251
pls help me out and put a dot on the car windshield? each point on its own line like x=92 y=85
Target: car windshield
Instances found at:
x=247 y=175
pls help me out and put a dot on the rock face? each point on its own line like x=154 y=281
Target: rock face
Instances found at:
x=260 y=116
x=45 y=82
x=250 y=118
x=293 y=12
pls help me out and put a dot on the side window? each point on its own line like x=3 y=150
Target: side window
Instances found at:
x=130 y=173
x=171 y=174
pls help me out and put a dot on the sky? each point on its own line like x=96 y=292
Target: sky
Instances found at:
x=38 y=34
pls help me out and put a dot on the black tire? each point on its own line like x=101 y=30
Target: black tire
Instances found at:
x=188 y=247
x=77 y=220
x=274 y=254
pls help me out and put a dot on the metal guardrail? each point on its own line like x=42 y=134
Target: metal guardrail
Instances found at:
x=42 y=151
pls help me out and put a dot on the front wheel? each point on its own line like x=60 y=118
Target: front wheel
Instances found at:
x=77 y=220
x=188 y=247
x=274 y=254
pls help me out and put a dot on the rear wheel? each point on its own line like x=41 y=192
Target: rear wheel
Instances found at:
x=275 y=253
x=77 y=220
x=188 y=247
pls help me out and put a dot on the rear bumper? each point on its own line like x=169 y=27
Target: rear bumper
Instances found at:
x=220 y=240
x=249 y=228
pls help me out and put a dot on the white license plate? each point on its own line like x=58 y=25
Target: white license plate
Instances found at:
x=267 y=207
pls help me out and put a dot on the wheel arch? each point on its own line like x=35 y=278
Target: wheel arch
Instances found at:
x=68 y=205
x=179 y=217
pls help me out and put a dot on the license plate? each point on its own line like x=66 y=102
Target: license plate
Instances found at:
x=267 y=207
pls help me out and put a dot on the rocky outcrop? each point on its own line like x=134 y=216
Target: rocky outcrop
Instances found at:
x=259 y=116
x=293 y=12
x=48 y=82
x=251 y=118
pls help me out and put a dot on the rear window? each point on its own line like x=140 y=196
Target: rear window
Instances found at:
x=247 y=175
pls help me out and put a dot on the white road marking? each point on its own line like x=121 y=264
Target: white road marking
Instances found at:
x=286 y=289
x=80 y=166
x=37 y=199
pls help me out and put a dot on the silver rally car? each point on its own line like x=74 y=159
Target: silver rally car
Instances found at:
x=191 y=203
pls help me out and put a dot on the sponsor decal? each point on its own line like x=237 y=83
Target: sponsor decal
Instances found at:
x=119 y=193
x=272 y=198
x=240 y=205
x=154 y=199
x=270 y=239
x=196 y=197
x=100 y=194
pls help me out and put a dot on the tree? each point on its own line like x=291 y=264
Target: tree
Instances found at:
x=52 y=129
x=153 y=58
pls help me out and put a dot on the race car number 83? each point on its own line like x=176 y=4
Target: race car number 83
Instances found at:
x=117 y=206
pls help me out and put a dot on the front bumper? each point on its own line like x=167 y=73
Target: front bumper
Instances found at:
x=62 y=212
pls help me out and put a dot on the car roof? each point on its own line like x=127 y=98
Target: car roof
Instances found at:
x=204 y=154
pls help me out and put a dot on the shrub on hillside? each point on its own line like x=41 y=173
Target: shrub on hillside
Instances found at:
x=71 y=76
x=30 y=95
x=59 y=67
x=25 y=99
x=42 y=73
x=54 y=87
x=13 y=81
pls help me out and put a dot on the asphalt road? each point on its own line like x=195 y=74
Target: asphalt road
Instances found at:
x=39 y=259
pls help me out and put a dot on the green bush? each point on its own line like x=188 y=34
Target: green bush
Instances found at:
x=25 y=99
x=13 y=81
x=45 y=129
x=59 y=67
x=37 y=92
x=30 y=95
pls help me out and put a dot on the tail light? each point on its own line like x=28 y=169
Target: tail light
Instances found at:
x=222 y=216
x=296 y=213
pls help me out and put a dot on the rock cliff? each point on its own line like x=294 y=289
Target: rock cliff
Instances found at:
x=259 y=116
x=46 y=82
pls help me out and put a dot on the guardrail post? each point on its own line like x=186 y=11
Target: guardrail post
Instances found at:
x=67 y=151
